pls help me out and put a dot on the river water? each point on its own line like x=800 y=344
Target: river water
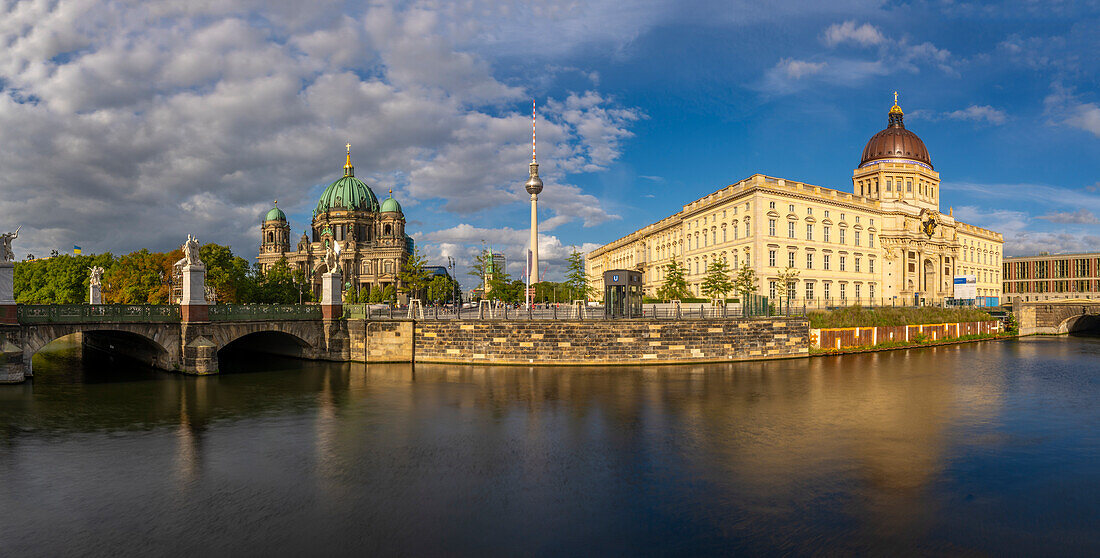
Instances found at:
x=980 y=449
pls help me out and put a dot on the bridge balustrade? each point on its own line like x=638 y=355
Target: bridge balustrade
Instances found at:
x=97 y=313
x=262 y=312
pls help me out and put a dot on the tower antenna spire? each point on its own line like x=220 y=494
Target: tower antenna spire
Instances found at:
x=532 y=130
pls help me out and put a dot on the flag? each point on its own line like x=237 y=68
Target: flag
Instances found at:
x=76 y=249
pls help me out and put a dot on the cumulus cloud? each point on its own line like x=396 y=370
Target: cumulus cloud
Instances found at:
x=865 y=35
x=130 y=124
x=1064 y=107
x=1080 y=217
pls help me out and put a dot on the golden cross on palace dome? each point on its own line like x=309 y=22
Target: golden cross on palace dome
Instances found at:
x=895 y=97
x=349 y=143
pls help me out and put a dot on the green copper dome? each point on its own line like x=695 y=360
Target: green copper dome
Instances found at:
x=390 y=205
x=275 y=214
x=347 y=192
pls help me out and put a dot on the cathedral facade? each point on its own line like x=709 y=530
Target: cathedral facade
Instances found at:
x=369 y=236
x=884 y=242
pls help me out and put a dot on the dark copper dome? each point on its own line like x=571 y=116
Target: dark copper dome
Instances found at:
x=895 y=142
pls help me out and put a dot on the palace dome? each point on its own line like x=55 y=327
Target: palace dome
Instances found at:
x=348 y=193
x=895 y=142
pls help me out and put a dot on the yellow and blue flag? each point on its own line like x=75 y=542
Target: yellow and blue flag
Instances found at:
x=76 y=249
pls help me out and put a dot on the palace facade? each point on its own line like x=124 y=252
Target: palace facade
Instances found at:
x=370 y=235
x=885 y=242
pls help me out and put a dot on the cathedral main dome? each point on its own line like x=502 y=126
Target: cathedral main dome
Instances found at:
x=896 y=143
x=348 y=193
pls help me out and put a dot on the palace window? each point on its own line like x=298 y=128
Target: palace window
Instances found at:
x=790 y=259
x=857 y=265
x=855 y=235
x=809 y=231
x=870 y=265
x=826 y=213
x=771 y=289
x=825 y=262
x=723 y=232
x=857 y=291
x=842 y=258
x=790 y=229
x=825 y=290
x=909 y=186
x=771 y=227
x=871 y=239
x=791 y=286
x=790 y=208
x=843 y=296
x=809 y=291
x=871 y=291
x=889 y=188
x=771 y=205
x=809 y=211
x=747 y=227
x=771 y=258
x=825 y=233
x=809 y=260
x=714 y=235
x=842 y=235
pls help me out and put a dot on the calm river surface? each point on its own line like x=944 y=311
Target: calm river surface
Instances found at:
x=982 y=449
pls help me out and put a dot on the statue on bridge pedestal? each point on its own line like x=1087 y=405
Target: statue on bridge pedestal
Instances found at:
x=190 y=252
x=94 y=285
x=6 y=253
x=96 y=275
x=329 y=263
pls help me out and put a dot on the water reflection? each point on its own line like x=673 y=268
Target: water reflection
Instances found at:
x=912 y=451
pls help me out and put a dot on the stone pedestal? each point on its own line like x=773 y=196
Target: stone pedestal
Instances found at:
x=332 y=295
x=94 y=296
x=7 y=293
x=193 y=307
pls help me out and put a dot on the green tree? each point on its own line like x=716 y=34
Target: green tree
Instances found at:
x=745 y=285
x=674 y=285
x=140 y=278
x=413 y=275
x=440 y=289
x=389 y=294
x=717 y=281
x=276 y=285
x=227 y=274
x=576 y=278
x=62 y=279
x=783 y=288
x=375 y=295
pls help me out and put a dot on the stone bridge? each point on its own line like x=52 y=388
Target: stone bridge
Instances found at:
x=1053 y=317
x=157 y=335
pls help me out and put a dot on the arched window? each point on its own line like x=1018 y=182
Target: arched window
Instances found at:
x=389 y=266
x=387 y=230
x=270 y=237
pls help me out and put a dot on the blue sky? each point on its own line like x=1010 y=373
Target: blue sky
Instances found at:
x=130 y=124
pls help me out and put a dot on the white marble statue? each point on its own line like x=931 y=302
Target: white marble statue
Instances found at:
x=6 y=253
x=96 y=275
x=190 y=252
x=329 y=263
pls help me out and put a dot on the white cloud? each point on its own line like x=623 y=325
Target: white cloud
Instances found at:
x=972 y=113
x=865 y=35
x=130 y=124
x=1080 y=217
x=1064 y=107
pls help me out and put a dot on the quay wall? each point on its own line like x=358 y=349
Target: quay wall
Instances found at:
x=559 y=342
x=844 y=337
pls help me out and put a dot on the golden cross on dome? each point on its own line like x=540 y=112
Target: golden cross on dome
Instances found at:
x=895 y=97
x=349 y=143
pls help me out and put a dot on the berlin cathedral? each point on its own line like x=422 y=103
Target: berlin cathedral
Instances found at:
x=369 y=236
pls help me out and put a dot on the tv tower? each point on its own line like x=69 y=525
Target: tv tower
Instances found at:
x=534 y=187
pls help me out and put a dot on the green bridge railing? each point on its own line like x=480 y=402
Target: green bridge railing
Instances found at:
x=260 y=312
x=100 y=313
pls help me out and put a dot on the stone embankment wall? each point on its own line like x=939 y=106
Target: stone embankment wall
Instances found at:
x=840 y=338
x=553 y=342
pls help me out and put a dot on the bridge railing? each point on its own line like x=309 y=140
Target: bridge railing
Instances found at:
x=97 y=313
x=260 y=312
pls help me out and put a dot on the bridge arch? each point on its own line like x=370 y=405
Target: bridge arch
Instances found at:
x=302 y=338
x=154 y=344
x=1080 y=323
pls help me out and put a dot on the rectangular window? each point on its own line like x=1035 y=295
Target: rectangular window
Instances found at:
x=771 y=289
x=870 y=265
x=842 y=293
x=790 y=229
x=809 y=232
x=909 y=186
x=771 y=258
x=855 y=236
x=857 y=291
x=723 y=235
x=790 y=208
x=735 y=230
x=842 y=258
x=809 y=291
x=871 y=291
x=809 y=211
x=857 y=265
x=888 y=186
x=771 y=227
x=771 y=205
x=790 y=259
x=842 y=235
x=826 y=213
x=871 y=240
x=809 y=260
x=825 y=233
x=747 y=226
x=825 y=262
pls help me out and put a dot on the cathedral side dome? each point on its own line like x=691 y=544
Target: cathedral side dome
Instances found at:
x=390 y=205
x=347 y=192
x=896 y=142
x=275 y=214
